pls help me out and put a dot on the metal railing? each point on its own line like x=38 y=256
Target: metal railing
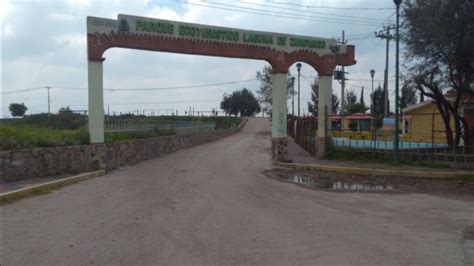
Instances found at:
x=421 y=138
x=121 y=124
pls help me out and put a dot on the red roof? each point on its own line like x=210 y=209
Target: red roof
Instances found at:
x=359 y=116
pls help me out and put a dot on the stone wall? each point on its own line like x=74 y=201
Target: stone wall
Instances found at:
x=122 y=153
x=54 y=161
x=66 y=160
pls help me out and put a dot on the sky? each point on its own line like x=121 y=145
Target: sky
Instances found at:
x=44 y=45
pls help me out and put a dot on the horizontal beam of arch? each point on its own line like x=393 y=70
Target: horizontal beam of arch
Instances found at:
x=280 y=50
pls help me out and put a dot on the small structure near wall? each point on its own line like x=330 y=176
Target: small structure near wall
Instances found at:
x=279 y=50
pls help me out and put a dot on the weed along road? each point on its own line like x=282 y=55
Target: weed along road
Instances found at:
x=212 y=205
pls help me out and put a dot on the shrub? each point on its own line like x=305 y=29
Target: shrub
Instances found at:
x=353 y=125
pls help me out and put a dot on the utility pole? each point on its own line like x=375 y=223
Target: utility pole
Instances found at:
x=343 y=83
x=385 y=35
x=396 y=140
x=49 y=100
x=343 y=87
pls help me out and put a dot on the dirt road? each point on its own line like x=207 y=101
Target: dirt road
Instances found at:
x=211 y=205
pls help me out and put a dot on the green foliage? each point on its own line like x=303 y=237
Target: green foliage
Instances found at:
x=63 y=120
x=241 y=102
x=48 y=131
x=17 y=109
x=265 y=94
x=353 y=125
x=378 y=101
x=21 y=137
x=408 y=96
x=356 y=108
x=352 y=106
x=313 y=104
x=438 y=36
x=354 y=155
x=351 y=97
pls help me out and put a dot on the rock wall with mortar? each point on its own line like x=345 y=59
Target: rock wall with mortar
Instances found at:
x=66 y=160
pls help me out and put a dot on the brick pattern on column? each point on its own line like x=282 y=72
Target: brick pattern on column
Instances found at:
x=322 y=146
x=280 y=61
x=280 y=149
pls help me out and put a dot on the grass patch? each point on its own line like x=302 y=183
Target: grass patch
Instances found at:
x=121 y=136
x=67 y=128
x=22 y=137
x=354 y=155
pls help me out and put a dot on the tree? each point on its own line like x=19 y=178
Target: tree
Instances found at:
x=64 y=110
x=351 y=97
x=17 y=109
x=438 y=37
x=362 y=96
x=408 y=96
x=313 y=104
x=352 y=106
x=241 y=102
x=378 y=101
x=265 y=94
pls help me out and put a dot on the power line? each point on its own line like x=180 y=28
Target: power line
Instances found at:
x=315 y=12
x=332 y=7
x=327 y=19
x=23 y=90
x=275 y=14
x=138 y=89
x=367 y=37
x=133 y=103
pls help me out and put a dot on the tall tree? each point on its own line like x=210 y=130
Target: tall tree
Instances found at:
x=408 y=96
x=17 y=109
x=351 y=97
x=313 y=104
x=265 y=94
x=352 y=106
x=362 y=96
x=378 y=101
x=241 y=102
x=438 y=37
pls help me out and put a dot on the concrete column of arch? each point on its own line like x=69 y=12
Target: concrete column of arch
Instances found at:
x=96 y=101
x=324 y=110
x=279 y=118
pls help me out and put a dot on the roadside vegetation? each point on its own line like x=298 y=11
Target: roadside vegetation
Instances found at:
x=68 y=128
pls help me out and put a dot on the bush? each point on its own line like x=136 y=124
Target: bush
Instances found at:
x=63 y=120
x=353 y=125
x=121 y=136
x=21 y=137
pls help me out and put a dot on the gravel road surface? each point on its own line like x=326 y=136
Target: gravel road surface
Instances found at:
x=211 y=205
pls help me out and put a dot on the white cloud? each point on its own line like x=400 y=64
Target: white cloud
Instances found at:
x=80 y=2
x=163 y=13
x=7 y=30
x=5 y=8
x=63 y=16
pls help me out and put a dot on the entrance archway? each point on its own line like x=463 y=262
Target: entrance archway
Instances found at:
x=279 y=50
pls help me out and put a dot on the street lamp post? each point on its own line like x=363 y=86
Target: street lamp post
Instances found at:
x=396 y=151
x=293 y=97
x=372 y=73
x=298 y=67
x=372 y=105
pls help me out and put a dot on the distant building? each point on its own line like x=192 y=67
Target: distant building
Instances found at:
x=425 y=123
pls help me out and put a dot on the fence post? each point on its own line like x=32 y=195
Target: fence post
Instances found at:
x=432 y=130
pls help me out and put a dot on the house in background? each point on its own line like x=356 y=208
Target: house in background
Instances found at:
x=363 y=121
x=426 y=123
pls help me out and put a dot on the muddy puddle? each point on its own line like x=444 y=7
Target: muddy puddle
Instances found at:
x=336 y=185
x=339 y=182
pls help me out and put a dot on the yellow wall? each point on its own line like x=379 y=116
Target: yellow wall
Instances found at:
x=422 y=125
